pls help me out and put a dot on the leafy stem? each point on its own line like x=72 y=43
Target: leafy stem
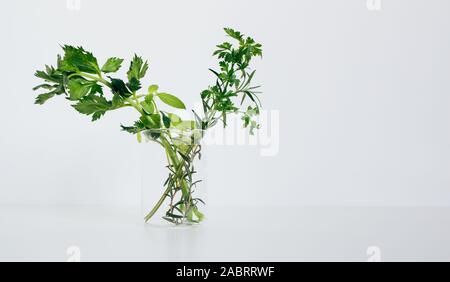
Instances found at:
x=92 y=90
x=97 y=79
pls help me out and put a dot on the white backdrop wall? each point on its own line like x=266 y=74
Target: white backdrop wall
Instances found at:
x=363 y=98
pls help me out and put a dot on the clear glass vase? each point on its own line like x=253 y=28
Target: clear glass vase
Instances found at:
x=173 y=177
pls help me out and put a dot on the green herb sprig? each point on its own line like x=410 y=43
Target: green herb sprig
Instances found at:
x=93 y=90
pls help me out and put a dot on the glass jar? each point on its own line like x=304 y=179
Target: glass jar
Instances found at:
x=173 y=180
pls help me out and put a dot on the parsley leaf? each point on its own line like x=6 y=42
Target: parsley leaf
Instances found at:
x=138 y=68
x=119 y=87
x=134 y=84
x=112 y=65
x=93 y=105
x=76 y=59
x=234 y=34
x=92 y=92
x=42 y=98
x=79 y=87
x=138 y=127
x=54 y=84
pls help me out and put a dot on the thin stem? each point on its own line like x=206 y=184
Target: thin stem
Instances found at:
x=135 y=105
x=121 y=107
x=158 y=204
x=171 y=154
x=98 y=79
x=166 y=192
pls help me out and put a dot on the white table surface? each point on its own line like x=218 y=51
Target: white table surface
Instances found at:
x=230 y=234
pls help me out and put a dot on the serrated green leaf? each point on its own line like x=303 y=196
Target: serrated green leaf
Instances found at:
x=93 y=105
x=41 y=74
x=98 y=115
x=117 y=101
x=134 y=84
x=78 y=88
x=138 y=127
x=96 y=88
x=119 y=87
x=138 y=68
x=234 y=34
x=43 y=86
x=205 y=94
x=112 y=65
x=41 y=99
x=77 y=59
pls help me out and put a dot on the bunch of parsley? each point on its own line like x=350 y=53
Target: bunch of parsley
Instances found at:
x=93 y=90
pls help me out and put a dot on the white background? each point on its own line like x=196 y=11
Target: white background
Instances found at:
x=363 y=98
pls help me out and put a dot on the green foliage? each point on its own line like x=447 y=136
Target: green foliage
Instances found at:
x=137 y=128
x=119 y=87
x=171 y=100
x=138 y=68
x=79 y=87
x=91 y=91
x=152 y=89
x=77 y=59
x=112 y=65
x=233 y=81
x=54 y=83
x=234 y=34
x=42 y=98
x=134 y=84
x=148 y=107
x=93 y=105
